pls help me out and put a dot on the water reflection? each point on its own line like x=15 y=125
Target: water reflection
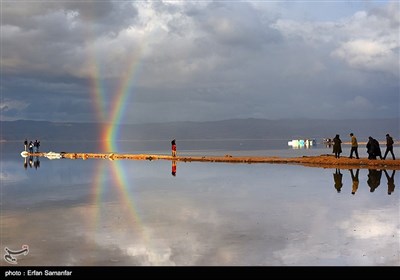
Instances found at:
x=173 y=168
x=32 y=162
x=338 y=179
x=373 y=180
x=137 y=213
x=355 y=180
x=390 y=181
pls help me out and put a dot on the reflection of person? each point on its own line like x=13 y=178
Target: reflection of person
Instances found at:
x=355 y=181
x=36 y=163
x=390 y=181
x=389 y=146
x=337 y=178
x=337 y=146
x=30 y=161
x=26 y=145
x=173 y=147
x=26 y=162
x=374 y=179
x=354 y=146
x=173 y=172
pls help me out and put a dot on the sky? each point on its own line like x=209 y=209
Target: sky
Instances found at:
x=164 y=61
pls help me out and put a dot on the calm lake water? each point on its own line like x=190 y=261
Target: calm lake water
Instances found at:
x=131 y=213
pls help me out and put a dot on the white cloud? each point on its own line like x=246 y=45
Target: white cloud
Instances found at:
x=370 y=55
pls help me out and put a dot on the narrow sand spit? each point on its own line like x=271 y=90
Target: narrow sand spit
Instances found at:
x=322 y=161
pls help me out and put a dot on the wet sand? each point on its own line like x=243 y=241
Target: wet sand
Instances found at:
x=322 y=161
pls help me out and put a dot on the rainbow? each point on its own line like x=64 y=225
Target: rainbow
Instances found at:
x=110 y=109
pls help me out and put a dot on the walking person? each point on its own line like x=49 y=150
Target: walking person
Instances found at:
x=354 y=146
x=337 y=146
x=26 y=145
x=373 y=148
x=389 y=146
x=173 y=147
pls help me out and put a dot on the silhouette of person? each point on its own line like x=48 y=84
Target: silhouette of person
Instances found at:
x=390 y=181
x=374 y=179
x=26 y=144
x=36 y=144
x=389 y=146
x=173 y=172
x=373 y=148
x=337 y=146
x=354 y=146
x=30 y=147
x=337 y=178
x=173 y=147
x=355 y=180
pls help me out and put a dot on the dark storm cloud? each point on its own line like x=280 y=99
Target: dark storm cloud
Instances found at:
x=199 y=60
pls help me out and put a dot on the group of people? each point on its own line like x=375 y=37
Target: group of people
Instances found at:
x=32 y=146
x=373 y=148
x=374 y=180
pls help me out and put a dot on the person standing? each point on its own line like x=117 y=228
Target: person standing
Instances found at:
x=26 y=144
x=173 y=147
x=35 y=145
x=337 y=146
x=354 y=146
x=389 y=146
x=30 y=147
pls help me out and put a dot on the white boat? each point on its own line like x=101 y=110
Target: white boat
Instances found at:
x=53 y=155
x=299 y=143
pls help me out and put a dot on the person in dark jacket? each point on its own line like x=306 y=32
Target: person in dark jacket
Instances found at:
x=373 y=148
x=389 y=146
x=337 y=146
x=377 y=149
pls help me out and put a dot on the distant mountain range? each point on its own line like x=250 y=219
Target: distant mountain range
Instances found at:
x=225 y=129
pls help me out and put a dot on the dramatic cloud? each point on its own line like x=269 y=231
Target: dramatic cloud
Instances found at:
x=199 y=61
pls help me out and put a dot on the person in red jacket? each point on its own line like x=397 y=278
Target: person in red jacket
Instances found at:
x=173 y=144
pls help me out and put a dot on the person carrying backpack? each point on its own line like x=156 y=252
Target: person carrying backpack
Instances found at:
x=389 y=146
